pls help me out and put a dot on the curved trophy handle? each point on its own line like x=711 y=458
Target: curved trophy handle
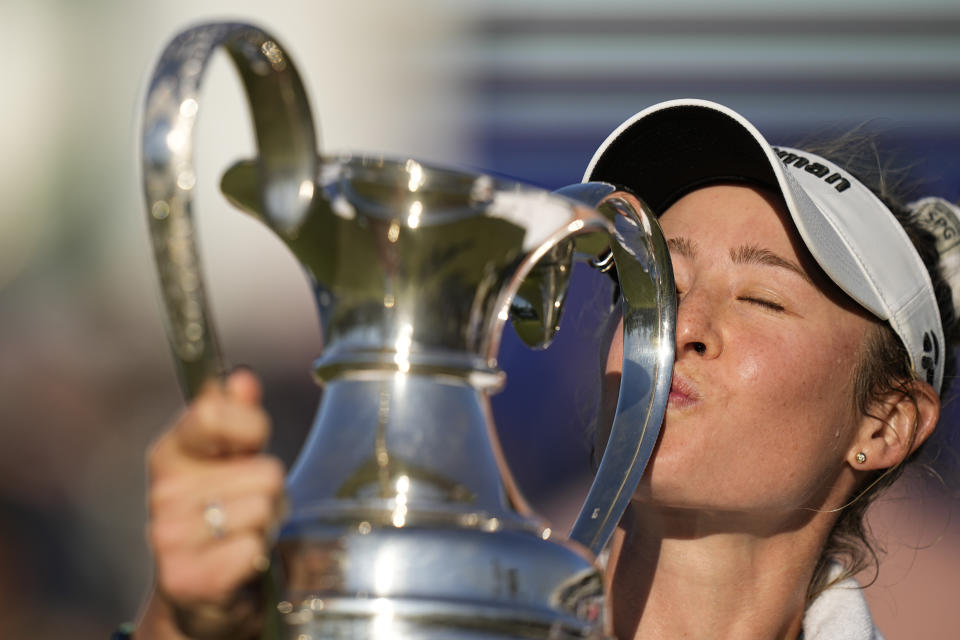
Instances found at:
x=287 y=167
x=648 y=302
x=649 y=305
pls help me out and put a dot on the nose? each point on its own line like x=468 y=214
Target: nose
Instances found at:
x=697 y=325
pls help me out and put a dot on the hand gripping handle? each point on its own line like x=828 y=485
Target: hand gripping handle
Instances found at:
x=648 y=303
x=287 y=167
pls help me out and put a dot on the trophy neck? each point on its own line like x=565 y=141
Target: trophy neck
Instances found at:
x=408 y=264
x=409 y=449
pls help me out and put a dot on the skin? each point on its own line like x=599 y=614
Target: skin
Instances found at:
x=212 y=452
x=777 y=353
x=759 y=441
x=720 y=541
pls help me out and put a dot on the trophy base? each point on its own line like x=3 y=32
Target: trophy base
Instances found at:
x=338 y=580
x=383 y=618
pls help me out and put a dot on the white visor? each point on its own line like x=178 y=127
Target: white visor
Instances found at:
x=667 y=150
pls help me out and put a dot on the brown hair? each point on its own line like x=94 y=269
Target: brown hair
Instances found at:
x=884 y=365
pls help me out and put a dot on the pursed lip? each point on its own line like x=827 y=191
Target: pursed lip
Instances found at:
x=683 y=393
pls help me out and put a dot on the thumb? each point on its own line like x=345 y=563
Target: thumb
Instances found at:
x=244 y=386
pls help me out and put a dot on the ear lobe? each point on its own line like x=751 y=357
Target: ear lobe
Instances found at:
x=895 y=427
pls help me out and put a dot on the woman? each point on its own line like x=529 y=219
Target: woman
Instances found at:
x=810 y=354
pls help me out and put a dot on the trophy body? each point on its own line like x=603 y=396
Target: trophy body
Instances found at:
x=404 y=521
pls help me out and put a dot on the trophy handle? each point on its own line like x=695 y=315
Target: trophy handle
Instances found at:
x=287 y=167
x=648 y=301
x=649 y=306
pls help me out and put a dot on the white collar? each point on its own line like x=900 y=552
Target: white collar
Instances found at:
x=839 y=613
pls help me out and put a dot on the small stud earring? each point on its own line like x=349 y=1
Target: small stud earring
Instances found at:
x=861 y=457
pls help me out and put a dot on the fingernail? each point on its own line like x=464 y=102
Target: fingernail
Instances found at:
x=261 y=563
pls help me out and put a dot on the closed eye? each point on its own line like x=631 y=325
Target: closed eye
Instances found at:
x=773 y=306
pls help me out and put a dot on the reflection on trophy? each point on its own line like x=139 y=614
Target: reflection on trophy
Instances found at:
x=404 y=519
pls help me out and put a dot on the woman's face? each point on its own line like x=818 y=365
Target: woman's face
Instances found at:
x=761 y=413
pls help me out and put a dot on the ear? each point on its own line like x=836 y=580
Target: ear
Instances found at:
x=896 y=425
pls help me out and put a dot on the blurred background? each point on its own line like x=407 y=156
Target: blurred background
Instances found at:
x=527 y=89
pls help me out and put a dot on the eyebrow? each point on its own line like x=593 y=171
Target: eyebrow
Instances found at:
x=684 y=246
x=744 y=254
x=752 y=254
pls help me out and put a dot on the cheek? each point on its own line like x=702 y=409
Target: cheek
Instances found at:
x=788 y=369
x=806 y=389
x=827 y=369
x=793 y=395
x=764 y=376
x=750 y=373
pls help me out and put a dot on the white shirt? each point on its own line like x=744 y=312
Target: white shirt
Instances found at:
x=839 y=613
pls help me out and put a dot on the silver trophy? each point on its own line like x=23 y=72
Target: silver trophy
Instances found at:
x=404 y=520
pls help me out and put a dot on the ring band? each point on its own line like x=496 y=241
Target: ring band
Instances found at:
x=216 y=519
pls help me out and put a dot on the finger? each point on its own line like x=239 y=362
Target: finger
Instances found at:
x=219 y=425
x=226 y=418
x=213 y=575
x=253 y=515
x=207 y=434
x=172 y=495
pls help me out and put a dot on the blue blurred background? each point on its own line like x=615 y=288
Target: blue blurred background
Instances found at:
x=526 y=89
